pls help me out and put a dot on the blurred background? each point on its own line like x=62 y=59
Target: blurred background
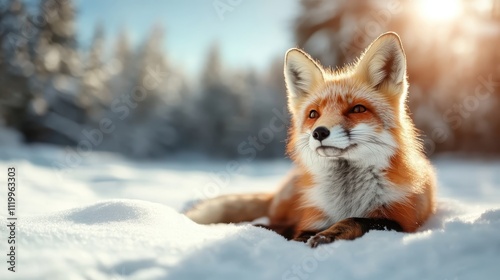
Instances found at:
x=151 y=79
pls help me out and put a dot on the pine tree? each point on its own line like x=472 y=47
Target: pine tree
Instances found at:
x=95 y=96
x=148 y=116
x=15 y=64
x=153 y=72
x=122 y=68
x=57 y=39
x=56 y=80
x=220 y=107
x=144 y=128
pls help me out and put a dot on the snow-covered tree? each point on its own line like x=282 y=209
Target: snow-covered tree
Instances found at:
x=219 y=106
x=95 y=96
x=57 y=107
x=146 y=95
x=15 y=64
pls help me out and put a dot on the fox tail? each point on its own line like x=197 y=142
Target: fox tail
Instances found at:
x=232 y=208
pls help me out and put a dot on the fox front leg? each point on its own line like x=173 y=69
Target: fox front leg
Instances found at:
x=352 y=228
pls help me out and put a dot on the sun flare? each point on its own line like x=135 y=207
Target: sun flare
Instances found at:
x=440 y=9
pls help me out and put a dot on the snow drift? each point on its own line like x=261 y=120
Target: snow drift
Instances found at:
x=115 y=219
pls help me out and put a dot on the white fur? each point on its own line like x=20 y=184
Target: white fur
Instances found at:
x=377 y=56
x=364 y=146
x=208 y=212
x=368 y=154
x=373 y=148
x=365 y=184
x=369 y=196
x=348 y=166
x=309 y=74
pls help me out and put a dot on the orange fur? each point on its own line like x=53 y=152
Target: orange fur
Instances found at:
x=378 y=82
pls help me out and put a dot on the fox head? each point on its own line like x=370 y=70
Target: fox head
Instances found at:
x=356 y=113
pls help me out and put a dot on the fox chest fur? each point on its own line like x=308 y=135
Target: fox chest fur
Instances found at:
x=360 y=165
x=349 y=190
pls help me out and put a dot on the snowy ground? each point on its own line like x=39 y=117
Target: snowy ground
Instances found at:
x=106 y=217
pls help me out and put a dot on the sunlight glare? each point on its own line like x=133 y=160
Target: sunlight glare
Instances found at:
x=440 y=9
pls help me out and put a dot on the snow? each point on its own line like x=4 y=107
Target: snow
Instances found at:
x=9 y=137
x=106 y=217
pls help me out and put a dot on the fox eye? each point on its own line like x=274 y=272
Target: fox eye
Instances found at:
x=358 y=109
x=313 y=114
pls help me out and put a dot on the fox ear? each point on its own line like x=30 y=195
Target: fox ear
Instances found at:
x=383 y=64
x=302 y=74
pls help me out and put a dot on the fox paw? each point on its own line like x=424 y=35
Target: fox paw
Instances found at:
x=304 y=236
x=319 y=239
x=346 y=229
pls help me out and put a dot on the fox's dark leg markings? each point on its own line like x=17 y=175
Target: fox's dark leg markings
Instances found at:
x=303 y=236
x=368 y=224
x=352 y=228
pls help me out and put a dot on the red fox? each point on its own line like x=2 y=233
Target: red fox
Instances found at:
x=359 y=165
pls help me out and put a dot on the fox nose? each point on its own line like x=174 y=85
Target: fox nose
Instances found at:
x=321 y=133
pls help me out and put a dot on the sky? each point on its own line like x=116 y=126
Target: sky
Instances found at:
x=249 y=32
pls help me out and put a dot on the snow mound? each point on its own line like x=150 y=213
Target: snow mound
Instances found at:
x=461 y=249
x=110 y=218
x=133 y=239
x=113 y=211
